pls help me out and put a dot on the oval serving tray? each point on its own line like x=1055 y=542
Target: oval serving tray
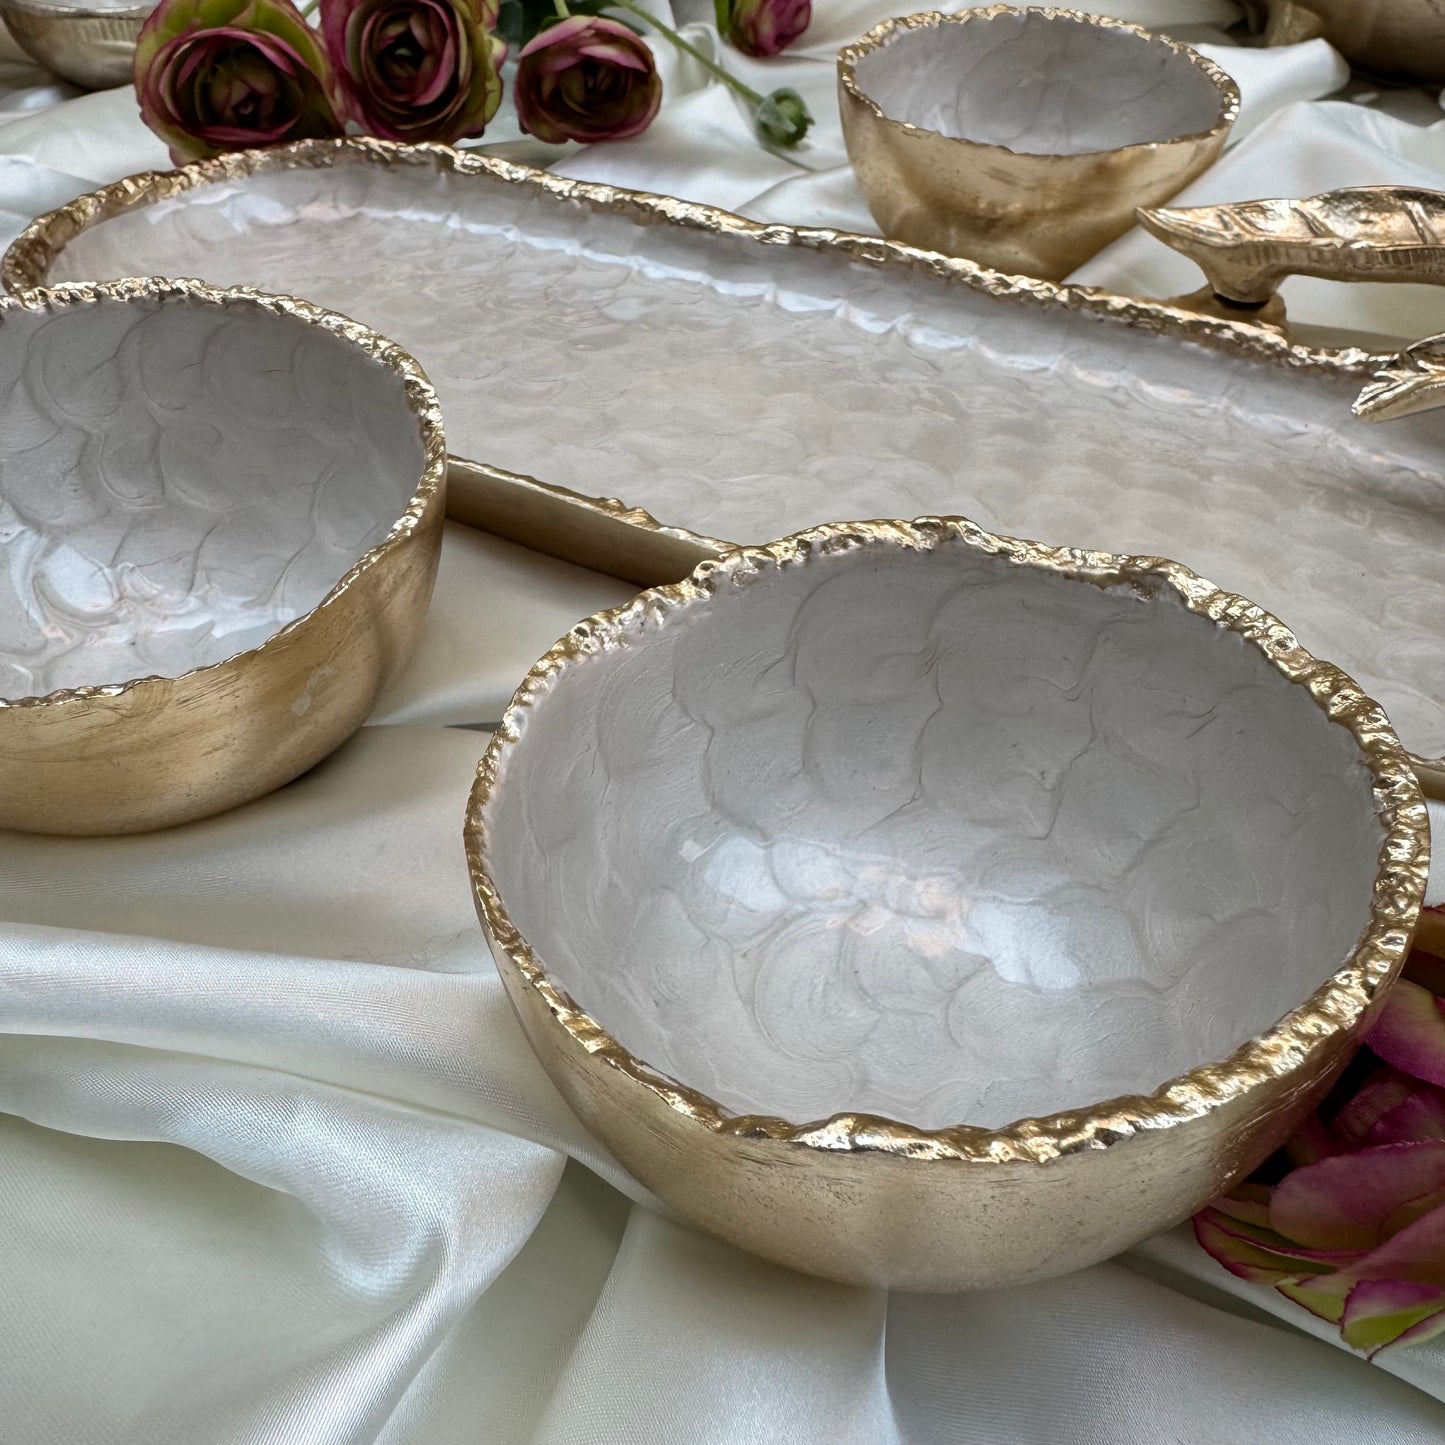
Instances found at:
x=741 y=382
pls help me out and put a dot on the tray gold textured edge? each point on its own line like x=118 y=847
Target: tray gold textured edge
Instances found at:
x=605 y=534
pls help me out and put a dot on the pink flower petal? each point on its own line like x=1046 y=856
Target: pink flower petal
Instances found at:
x=1382 y=1091
x=612 y=54
x=1323 y=1295
x=1427 y=969
x=1381 y=1312
x=1259 y=1255
x=558 y=34
x=1355 y=1201
x=1390 y=1108
x=1249 y=1204
x=1310 y=1142
x=1415 y=1255
x=1410 y=1032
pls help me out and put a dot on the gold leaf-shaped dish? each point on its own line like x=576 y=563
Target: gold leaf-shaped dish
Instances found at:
x=1365 y=233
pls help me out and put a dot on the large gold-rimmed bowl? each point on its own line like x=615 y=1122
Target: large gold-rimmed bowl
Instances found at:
x=919 y=907
x=1025 y=139
x=221 y=515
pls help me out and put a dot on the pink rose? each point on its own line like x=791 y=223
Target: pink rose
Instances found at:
x=1356 y=1232
x=586 y=79
x=222 y=75
x=417 y=70
x=763 y=27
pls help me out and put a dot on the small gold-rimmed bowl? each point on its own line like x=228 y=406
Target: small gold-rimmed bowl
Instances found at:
x=1025 y=139
x=89 y=45
x=221 y=514
x=925 y=908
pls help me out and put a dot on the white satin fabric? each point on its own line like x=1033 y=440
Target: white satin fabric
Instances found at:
x=276 y=1164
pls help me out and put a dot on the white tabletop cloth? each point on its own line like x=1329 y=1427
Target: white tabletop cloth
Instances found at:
x=276 y=1164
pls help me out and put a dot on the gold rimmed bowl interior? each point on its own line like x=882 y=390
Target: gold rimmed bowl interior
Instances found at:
x=920 y=907
x=1025 y=138
x=222 y=514
x=89 y=45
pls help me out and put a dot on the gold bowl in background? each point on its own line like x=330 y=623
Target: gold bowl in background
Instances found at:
x=923 y=908
x=1025 y=139
x=222 y=515
x=1401 y=39
x=90 y=46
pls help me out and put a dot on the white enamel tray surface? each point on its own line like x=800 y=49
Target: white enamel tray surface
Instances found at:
x=744 y=390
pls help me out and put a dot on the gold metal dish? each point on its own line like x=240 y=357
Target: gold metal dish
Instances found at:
x=875 y=1004
x=93 y=48
x=1401 y=39
x=655 y=327
x=999 y=134
x=223 y=514
x=1363 y=233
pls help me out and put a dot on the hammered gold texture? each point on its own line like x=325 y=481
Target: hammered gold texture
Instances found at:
x=1017 y=206
x=1414 y=383
x=153 y=751
x=1363 y=233
x=738 y=381
x=875 y=1200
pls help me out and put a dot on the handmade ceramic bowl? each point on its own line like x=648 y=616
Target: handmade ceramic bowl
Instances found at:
x=92 y=45
x=923 y=908
x=1403 y=39
x=221 y=516
x=1025 y=139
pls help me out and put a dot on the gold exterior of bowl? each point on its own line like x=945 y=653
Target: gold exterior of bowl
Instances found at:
x=94 y=49
x=1031 y=215
x=875 y=1201
x=1401 y=39
x=157 y=751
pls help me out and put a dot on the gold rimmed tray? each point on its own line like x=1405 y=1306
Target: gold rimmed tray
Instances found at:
x=734 y=382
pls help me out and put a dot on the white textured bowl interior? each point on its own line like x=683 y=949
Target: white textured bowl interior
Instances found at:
x=933 y=836
x=178 y=480
x=1039 y=85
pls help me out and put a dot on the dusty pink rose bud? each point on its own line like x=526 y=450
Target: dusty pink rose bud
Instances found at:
x=416 y=70
x=587 y=79
x=223 y=75
x=1357 y=1234
x=763 y=27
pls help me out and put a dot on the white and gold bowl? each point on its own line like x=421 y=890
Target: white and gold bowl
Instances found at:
x=221 y=515
x=1025 y=138
x=920 y=907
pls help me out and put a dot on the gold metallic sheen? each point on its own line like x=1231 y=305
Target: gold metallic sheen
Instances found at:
x=604 y=533
x=28 y=260
x=155 y=751
x=1042 y=215
x=1365 y=233
x=1404 y=39
x=876 y=1201
x=94 y=49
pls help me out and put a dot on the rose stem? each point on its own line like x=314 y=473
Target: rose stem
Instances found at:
x=746 y=91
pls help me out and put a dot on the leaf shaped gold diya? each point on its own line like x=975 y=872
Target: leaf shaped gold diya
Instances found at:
x=1365 y=233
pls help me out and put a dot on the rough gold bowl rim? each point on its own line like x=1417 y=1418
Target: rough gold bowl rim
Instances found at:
x=1332 y=1012
x=885 y=33
x=421 y=401
x=30 y=256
